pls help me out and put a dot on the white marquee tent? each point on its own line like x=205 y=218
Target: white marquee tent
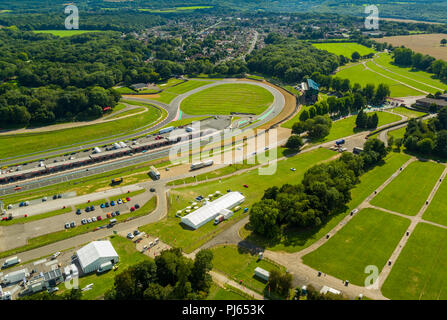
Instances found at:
x=96 y=253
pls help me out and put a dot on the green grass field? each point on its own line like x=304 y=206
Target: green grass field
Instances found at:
x=350 y=250
x=226 y=98
x=177 y=9
x=385 y=60
x=398 y=133
x=127 y=113
x=345 y=127
x=229 y=293
x=420 y=272
x=39 y=142
x=173 y=233
x=437 y=209
x=344 y=48
x=66 y=33
x=358 y=74
x=296 y=240
x=407 y=112
x=407 y=192
x=239 y=264
x=187 y=86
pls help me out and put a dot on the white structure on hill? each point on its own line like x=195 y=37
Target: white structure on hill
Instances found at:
x=212 y=209
x=93 y=255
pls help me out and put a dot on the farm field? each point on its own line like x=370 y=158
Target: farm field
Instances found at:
x=240 y=264
x=386 y=61
x=39 y=142
x=420 y=272
x=423 y=43
x=407 y=112
x=66 y=33
x=226 y=98
x=437 y=209
x=349 y=251
x=407 y=194
x=296 y=240
x=174 y=234
x=344 y=48
x=359 y=74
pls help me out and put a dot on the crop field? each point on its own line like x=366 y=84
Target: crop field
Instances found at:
x=407 y=112
x=407 y=194
x=437 y=209
x=420 y=272
x=423 y=43
x=240 y=264
x=349 y=251
x=39 y=142
x=296 y=240
x=66 y=33
x=226 y=98
x=344 y=48
x=359 y=74
x=174 y=234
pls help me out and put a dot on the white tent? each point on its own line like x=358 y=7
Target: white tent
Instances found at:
x=96 y=253
x=212 y=209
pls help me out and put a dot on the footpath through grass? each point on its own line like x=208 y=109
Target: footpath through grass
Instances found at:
x=408 y=192
x=420 y=272
x=407 y=112
x=295 y=240
x=229 y=293
x=349 y=251
x=437 y=209
x=239 y=264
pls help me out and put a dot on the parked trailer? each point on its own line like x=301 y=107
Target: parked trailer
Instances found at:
x=166 y=130
x=15 y=276
x=10 y=262
x=154 y=173
x=201 y=164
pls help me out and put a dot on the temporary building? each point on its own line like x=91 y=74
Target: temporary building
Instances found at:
x=261 y=273
x=212 y=209
x=93 y=255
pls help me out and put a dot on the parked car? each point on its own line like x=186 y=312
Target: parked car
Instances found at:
x=117 y=213
x=67 y=226
x=292 y=169
x=55 y=197
x=72 y=224
x=87 y=209
x=94 y=219
x=99 y=218
x=55 y=255
x=130 y=236
x=92 y=208
x=137 y=206
x=123 y=200
x=132 y=209
x=152 y=190
x=113 y=214
x=120 y=201
x=102 y=206
x=53 y=289
x=136 y=232
x=78 y=211
x=107 y=204
x=89 y=220
x=83 y=221
x=245 y=185
x=44 y=199
x=128 y=199
x=59 y=196
x=109 y=215
x=112 y=203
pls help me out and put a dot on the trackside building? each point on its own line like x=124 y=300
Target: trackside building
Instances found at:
x=96 y=253
x=212 y=209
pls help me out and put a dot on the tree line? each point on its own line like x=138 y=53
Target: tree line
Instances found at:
x=324 y=191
